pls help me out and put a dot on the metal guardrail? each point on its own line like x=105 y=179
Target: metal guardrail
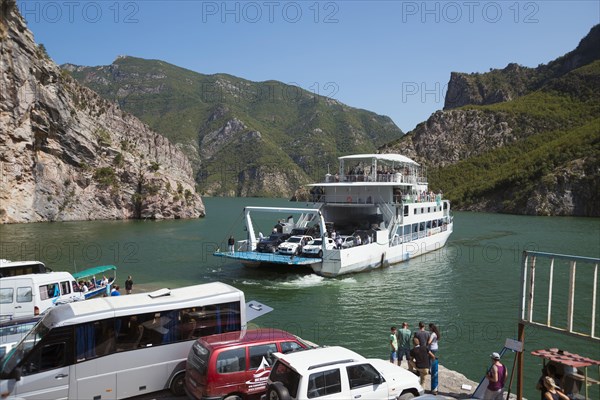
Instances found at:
x=531 y=263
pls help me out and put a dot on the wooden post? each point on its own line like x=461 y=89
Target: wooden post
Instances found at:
x=520 y=358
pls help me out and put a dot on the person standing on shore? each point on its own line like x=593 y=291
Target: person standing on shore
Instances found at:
x=404 y=343
x=128 y=285
x=496 y=376
x=422 y=335
x=393 y=346
x=434 y=336
x=419 y=360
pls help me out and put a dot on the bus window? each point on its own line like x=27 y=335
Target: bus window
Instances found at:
x=95 y=339
x=47 y=357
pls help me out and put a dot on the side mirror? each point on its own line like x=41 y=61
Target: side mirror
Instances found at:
x=377 y=380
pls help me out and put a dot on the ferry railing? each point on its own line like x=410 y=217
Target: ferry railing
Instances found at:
x=395 y=177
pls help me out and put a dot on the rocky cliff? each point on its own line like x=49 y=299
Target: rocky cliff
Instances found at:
x=67 y=154
x=524 y=141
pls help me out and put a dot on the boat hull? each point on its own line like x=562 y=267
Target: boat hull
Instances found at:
x=375 y=255
x=347 y=261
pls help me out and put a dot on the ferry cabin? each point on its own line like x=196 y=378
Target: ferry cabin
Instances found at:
x=384 y=198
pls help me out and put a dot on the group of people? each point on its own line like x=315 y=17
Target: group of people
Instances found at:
x=424 y=343
x=86 y=286
x=556 y=382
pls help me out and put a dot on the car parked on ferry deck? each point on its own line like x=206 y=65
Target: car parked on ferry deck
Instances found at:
x=294 y=245
x=348 y=241
x=269 y=244
x=314 y=248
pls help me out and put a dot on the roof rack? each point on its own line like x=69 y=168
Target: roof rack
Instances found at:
x=346 y=361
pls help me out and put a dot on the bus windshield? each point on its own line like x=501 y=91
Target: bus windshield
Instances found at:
x=14 y=357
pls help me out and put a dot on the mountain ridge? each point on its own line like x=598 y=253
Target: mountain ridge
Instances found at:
x=275 y=131
x=534 y=154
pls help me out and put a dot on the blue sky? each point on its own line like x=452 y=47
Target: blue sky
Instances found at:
x=390 y=57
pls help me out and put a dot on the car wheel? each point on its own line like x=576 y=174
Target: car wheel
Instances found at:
x=406 y=396
x=277 y=391
x=177 y=385
x=320 y=253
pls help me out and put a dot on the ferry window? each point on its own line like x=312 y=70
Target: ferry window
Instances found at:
x=231 y=361
x=324 y=383
x=6 y=295
x=428 y=209
x=406 y=211
x=415 y=227
x=48 y=357
x=24 y=294
x=422 y=210
x=406 y=229
x=422 y=226
x=445 y=206
x=261 y=352
x=428 y=224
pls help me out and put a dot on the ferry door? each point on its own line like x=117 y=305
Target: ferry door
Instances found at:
x=45 y=373
x=361 y=379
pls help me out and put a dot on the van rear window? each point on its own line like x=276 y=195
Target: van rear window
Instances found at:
x=24 y=294
x=198 y=358
x=6 y=295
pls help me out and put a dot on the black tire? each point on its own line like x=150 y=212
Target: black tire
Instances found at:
x=406 y=396
x=177 y=386
x=277 y=391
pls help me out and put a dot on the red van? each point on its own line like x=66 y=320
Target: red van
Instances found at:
x=236 y=365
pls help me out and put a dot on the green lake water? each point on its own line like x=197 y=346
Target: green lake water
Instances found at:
x=470 y=288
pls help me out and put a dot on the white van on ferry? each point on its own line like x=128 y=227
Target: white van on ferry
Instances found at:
x=32 y=294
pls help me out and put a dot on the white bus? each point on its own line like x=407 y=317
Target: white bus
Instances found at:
x=118 y=347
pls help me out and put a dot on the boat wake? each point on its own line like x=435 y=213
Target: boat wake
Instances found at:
x=305 y=281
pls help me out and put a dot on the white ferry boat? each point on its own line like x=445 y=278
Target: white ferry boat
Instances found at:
x=383 y=199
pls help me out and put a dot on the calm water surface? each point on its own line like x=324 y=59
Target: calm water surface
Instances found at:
x=470 y=288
